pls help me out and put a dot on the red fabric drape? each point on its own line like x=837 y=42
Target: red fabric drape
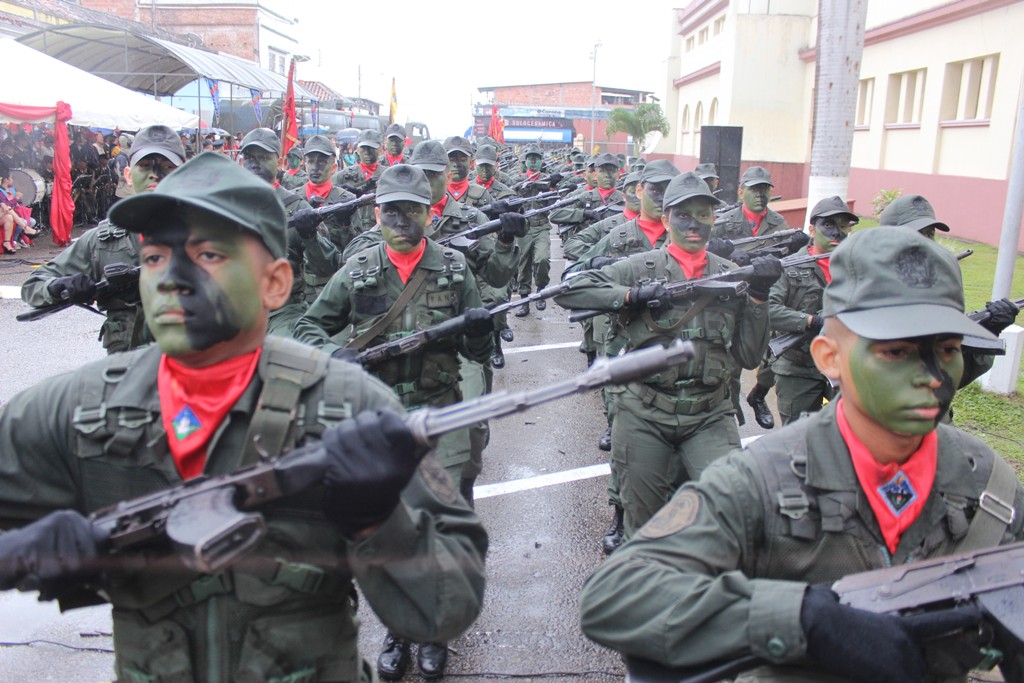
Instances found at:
x=290 y=126
x=62 y=208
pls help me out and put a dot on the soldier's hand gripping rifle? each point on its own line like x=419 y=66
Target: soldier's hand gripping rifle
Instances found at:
x=500 y=206
x=604 y=208
x=210 y=522
x=305 y=221
x=464 y=238
x=547 y=181
x=992 y=580
x=118 y=278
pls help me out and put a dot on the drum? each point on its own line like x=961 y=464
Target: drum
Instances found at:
x=30 y=184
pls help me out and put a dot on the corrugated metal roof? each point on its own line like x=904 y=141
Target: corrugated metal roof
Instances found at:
x=147 y=64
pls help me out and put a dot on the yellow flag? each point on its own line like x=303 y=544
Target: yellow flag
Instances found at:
x=394 y=103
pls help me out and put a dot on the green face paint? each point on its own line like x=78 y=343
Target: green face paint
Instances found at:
x=905 y=385
x=294 y=161
x=148 y=171
x=459 y=165
x=368 y=155
x=632 y=201
x=653 y=196
x=402 y=224
x=689 y=224
x=198 y=283
x=260 y=162
x=320 y=167
x=830 y=231
x=534 y=162
x=484 y=171
x=756 y=198
x=394 y=145
x=438 y=184
x=606 y=175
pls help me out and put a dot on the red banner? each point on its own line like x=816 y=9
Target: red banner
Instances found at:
x=497 y=128
x=290 y=125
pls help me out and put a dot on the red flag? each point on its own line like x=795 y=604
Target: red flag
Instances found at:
x=290 y=125
x=497 y=128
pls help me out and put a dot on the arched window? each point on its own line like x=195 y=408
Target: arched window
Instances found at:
x=684 y=122
x=698 y=121
x=713 y=112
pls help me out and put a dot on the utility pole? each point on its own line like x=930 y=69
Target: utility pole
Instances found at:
x=593 y=98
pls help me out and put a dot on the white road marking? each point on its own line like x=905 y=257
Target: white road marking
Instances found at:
x=10 y=292
x=563 y=477
x=540 y=347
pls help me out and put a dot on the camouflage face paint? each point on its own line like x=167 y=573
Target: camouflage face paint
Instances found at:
x=653 y=197
x=369 y=155
x=830 y=231
x=689 y=224
x=147 y=172
x=484 y=171
x=458 y=163
x=402 y=224
x=606 y=176
x=632 y=201
x=260 y=162
x=319 y=167
x=438 y=184
x=394 y=145
x=534 y=162
x=756 y=198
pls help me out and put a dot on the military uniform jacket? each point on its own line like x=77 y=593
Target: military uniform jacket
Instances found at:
x=93 y=437
x=292 y=202
x=578 y=244
x=353 y=175
x=724 y=332
x=365 y=289
x=476 y=196
x=106 y=244
x=294 y=182
x=733 y=225
x=794 y=296
x=498 y=189
x=323 y=251
x=721 y=570
x=588 y=199
x=621 y=240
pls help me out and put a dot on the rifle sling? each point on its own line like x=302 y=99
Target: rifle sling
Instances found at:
x=698 y=306
x=995 y=511
x=411 y=289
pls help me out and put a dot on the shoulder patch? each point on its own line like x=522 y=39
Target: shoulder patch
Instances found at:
x=678 y=514
x=437 y=479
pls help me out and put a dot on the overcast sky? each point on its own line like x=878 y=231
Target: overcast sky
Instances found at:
x=440 y=52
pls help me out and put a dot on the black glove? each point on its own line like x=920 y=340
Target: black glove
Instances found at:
x=347 y=355
x=316 y=201
x=495 y=209
x=77 y=289
x=719 y=246
x=370 y=459
x=767 y=269
x=479 y=322
x=740 y=258
x=591 y=215
x=651 y=295
x=53 y=555
x=305 y=222
x=798 y=241
x=814 y=327
x=874 y=648
x=554 y=179
x=513 y=225
x=602 y=261
x=1001 y=314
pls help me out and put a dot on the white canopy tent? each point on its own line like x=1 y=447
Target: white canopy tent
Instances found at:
x=36 y=79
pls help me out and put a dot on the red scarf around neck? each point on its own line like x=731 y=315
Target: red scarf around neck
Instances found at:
x=485 y=184
x=652 y=229
x=458 y=188
x=754 y=218
x=825 y=264
x=692 y=264
x=605 y=194
x=293 y=171
x=368 y=171
x=629 y=214
x=393 y=161
x=194 y=402
x=438 y=209
x=321 y=190
x=531 y=176
x=406 y=263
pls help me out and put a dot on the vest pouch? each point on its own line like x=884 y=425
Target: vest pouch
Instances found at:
x=717 y=368
x=150 y=653
x=438 y=371
x=303 y=646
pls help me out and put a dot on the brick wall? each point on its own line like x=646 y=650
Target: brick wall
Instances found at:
x=550 y=95
x=121 y=8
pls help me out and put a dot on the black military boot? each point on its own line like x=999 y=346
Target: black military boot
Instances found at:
x=613 y=537
x=466 y=489
x=393 y=662
x=432 y=658
x=507 y=335
x=497 y=356
x=541 y=304
x=591 y=357
x=522 y=311
x=762 y=413
x=605 y=442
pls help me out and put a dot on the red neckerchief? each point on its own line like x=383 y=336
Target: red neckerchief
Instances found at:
x=393 y=161
x=825 y=264
x=194 y=401
x=406 y=263
x=368 y=171
x=276 y=184
x=605 y=194
x=754 y=218
x=692 y=264
x=653 y=229
x=487 y=184
x=629 y=214
x=321 y=190
x=293 y=171
x=438 y=209
x=531 y=176
x=897 y=492
x=458 y=188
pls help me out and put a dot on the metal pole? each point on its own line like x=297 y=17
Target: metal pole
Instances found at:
x=593 y=99
x=1012 y=212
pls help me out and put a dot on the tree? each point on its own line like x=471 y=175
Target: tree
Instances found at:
x=638 y=122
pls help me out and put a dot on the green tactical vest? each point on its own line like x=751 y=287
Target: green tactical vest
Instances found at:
x=125 y=326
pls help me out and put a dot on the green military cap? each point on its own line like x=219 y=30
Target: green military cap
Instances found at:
x=579 y=159
x=639 y=163
x=658 y=171
x=486 y=154
x=606 y=158
x=403 y=183
x=706 y=171
x=487 y=140
x=687 y=186
x=631 y=179
x=756 y=175
x=162 y=140
x=532 y=149
x=430 y=155
x=368 y=138
x=457 y=143
x=833 y=206
x=262 y=137
x=395 y=130
x=891 y=283
x=321 y=144
x=622 y=159
x=294 y=151
x=212 y=183
x=911 y=211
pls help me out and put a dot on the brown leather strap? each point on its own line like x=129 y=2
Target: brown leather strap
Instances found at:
x=690 y=314
x=411 y=289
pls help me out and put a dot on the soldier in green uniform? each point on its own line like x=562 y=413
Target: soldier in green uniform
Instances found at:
x=572 y=219
x=740 y=562
x=580 y=243
x=535 y=245
x=669 y=427
x=405 y=284
x=709 y=174
x=361 y=178
x=323 y=256
x=294 y=176
x=215 y=394
x=486 y=173
x=795 y=306
x=261 y=154
x=752 y=218
x=395 y=152
x=460 y=165
x=73 y=274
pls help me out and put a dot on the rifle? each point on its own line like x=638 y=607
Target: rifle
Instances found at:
x=729 y=207
x=570 y=227
x=993 y=579
x=417 y=340
x=210 y=522
x=328 y=209
x=784 y=342
x=990 y=347
x=546 y=180
x=728 y=284
x=517 y=201
x=117 y=278
x=781 y=234
x=495 y=225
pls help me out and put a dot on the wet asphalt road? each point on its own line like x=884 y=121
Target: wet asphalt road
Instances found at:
x=544 y=541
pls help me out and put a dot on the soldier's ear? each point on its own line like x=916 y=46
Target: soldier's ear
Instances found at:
x=277 y=283
x=827 y=355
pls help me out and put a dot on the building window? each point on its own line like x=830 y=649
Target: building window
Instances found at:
x=713 y=112
x=865 y=96
x=718 y=26
x=702 y=37
x=689 y=44
x=276 y=62
x=698 y=121
x=904 y=101
x=684 y=126
x=968 y=89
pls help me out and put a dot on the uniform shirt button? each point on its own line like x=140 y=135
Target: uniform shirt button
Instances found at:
x=776 y=647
